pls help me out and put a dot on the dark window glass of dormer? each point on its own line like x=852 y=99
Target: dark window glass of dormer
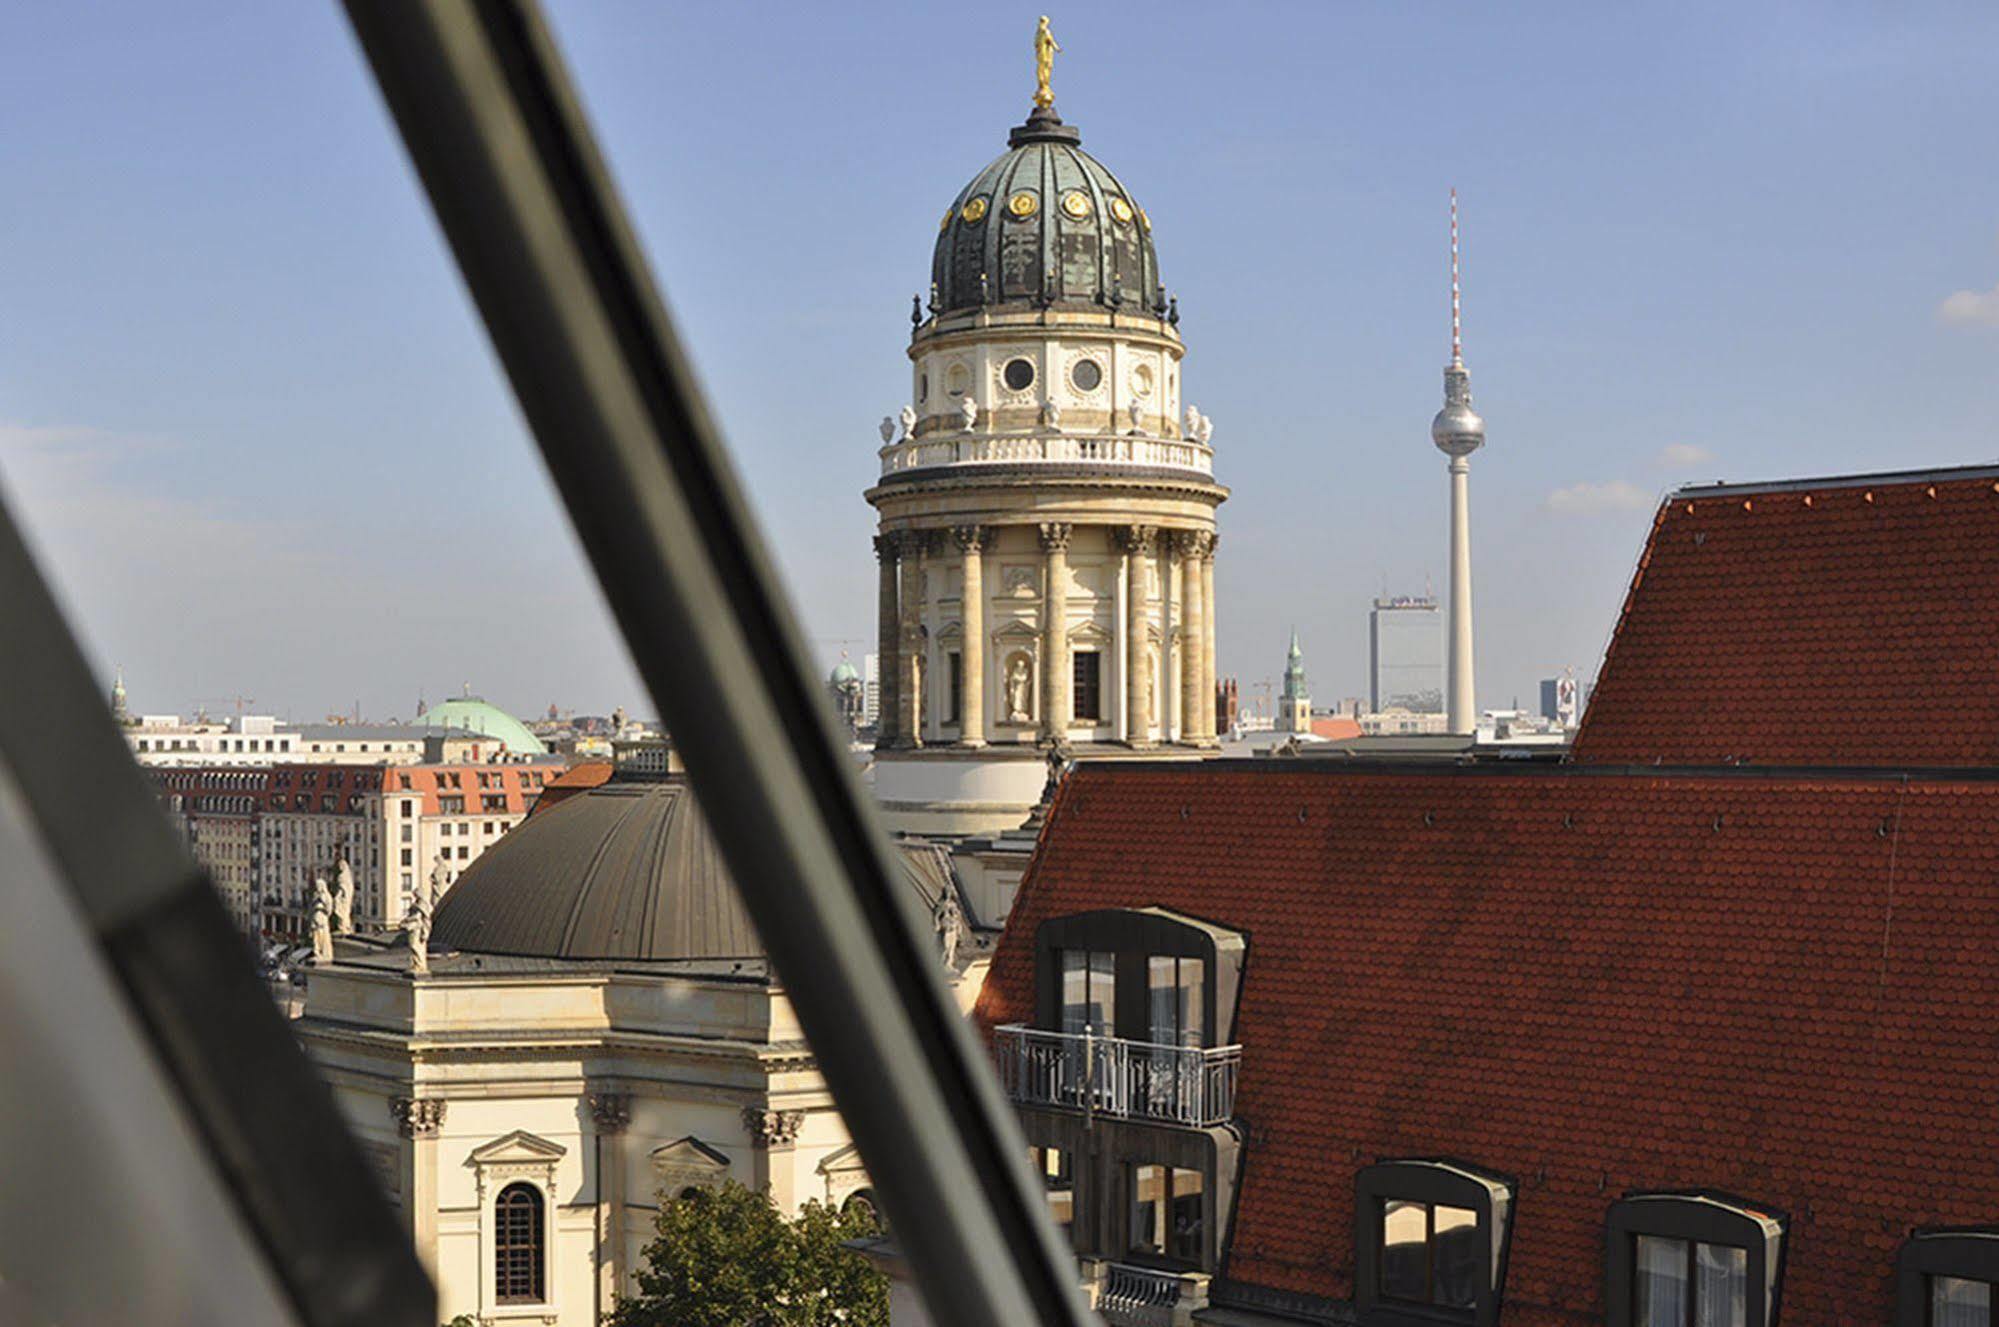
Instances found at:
x=1958 y=1302
x=1089 y=978
x=1058 y=1176
x=1429 y=1254
x=1684 y=1283
x=1166 y=1213
x=1173 y=1000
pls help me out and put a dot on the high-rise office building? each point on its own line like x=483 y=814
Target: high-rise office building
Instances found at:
x=1405 y=656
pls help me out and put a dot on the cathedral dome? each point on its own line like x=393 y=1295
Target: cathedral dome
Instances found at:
x=1045 y=224
x=475 y=715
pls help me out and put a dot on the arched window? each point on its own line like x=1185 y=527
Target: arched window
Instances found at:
x=518 y=1262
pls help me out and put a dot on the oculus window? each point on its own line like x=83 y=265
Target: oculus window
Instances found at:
x=1948 y=1278
x=1018 y=374
x=1087 y=375
x=1691 y=1260
x=1430 y=1242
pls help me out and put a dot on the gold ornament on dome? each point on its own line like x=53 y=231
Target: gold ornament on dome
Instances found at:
x=974 y=212
x=1045 y=51
x=945 y=224
x=1022 y=204
x=1076 y=203
x=1144 y=220
x=1121 y=210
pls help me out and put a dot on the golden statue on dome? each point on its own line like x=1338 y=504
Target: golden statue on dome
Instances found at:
x=1045 y=51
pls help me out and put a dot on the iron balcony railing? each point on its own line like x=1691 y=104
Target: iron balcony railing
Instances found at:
x=1141 y=1080
x=1139 y=1296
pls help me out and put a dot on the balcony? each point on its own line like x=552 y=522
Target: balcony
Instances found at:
x=1127 y=1296
x=974 y=449
x=1100 y=1075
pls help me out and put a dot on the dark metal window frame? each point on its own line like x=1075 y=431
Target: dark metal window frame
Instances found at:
x=1968 y=1252
x=1167 y=1257
x=1440 y=1182
x=1135 y=935
x=520 y=1244
x=1699 y=1217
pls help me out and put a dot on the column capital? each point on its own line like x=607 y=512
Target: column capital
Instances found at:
x=1214 y=541
x=611 y=1111
x=1135 y=538
x=888 y=546
x=1189 y=543
x=772 y=1128
x=1055 y=536
x=417 y=1117
x=969 y=538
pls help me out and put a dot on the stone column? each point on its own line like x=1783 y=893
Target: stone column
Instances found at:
x=972 y=650
x=1208 y=724
x=1169 y=695
x=611 y=1112
x=1055 y=678
x=888 y=637
x=1188 y=543
x=1136 y=541
x=418 y=1119
x=773 y=1135
x=909 y=650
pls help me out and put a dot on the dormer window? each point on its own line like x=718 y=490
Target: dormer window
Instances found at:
x=1691 y=1260
x=1430 y=1242
x=1089 y=990
x=1948 y=1278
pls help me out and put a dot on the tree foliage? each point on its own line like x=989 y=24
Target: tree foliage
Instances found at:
x=726 y=1258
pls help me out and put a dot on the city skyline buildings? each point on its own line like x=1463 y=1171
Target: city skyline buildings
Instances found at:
x=176 y=449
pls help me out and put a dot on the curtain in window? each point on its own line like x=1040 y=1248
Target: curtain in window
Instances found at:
x=1722 y=1278
x=1955 y=1302
x=1660 y=1283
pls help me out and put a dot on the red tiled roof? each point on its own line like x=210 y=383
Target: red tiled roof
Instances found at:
x=1335 y=728
x=1845 y=622
x=578 y=778
x=1595 y=981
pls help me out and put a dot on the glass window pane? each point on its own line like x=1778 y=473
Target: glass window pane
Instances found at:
x=1193 y=1027
x=1659 y=1283
x=1162 y=1000
x=1088 y=979
x=1148 y=1209
x=1186 y=1241
x=1956 y=1302
x=1060 y=1180
x=1722 y=1286
x=1405 y=1262
x=1455 y=1258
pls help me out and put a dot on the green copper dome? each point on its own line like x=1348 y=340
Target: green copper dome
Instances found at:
x=1045 y=224
x=475 y=715
x=844 y=673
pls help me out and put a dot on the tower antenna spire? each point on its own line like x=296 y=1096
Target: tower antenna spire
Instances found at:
x=1457 y=326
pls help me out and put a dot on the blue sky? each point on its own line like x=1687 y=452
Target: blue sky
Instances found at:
x=253 y=426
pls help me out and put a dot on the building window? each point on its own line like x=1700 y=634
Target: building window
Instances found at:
x=1173 y=1000
x=1087 y=672
x=1058 y=1176
x=1691 y=1260
x=954 y=701
x=1166 y=1221
x=1948 y=1278
x=1089 y=983
x=1018 y=374
x=518 y=1276
x=1430 y=1242
x=1429 y=1253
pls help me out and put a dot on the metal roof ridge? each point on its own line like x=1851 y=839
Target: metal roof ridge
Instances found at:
x=1722 y=488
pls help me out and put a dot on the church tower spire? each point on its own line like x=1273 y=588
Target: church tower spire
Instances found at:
x=1458 y=432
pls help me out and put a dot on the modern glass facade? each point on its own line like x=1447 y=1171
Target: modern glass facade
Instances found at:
x=1405 y=656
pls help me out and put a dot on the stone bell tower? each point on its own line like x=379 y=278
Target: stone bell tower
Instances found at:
x=1046 y=501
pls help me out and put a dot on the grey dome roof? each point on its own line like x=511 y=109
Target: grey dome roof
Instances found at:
x=1045 y=249
x=628 y=870
x=625 y=871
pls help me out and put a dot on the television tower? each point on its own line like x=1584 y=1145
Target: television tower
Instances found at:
x=1458 y=432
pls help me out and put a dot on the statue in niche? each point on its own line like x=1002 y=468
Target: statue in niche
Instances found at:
x=1051 y=413
x=322 y=920
x=343 y=897
x=1019 y=689
x=1135 y=412
x=968 y=411
x=945 y=919
x=908 y=420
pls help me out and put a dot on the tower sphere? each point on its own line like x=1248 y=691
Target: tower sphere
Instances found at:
x=1457 y=430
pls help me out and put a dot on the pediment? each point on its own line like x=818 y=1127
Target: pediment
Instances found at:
x=1017 y=630
x=843 y=1161
x=1089 y=633
x=517 y=1148
x=688 y=1153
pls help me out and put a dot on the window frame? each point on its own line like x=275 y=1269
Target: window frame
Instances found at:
x=1967 y=1252
x=538 y=1243
x=1438 y=1182
x=1166 y=1257
x=1697 y=1217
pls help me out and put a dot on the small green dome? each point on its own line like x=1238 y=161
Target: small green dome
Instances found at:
x=1045 y=224
x=844 y=674
x=475 y=715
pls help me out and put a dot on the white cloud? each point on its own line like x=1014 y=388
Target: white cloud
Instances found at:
x=1681 y=456
x=1588 y=499
x=1971 y=308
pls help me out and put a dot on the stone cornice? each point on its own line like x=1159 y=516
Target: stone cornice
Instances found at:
x=1044 y=475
